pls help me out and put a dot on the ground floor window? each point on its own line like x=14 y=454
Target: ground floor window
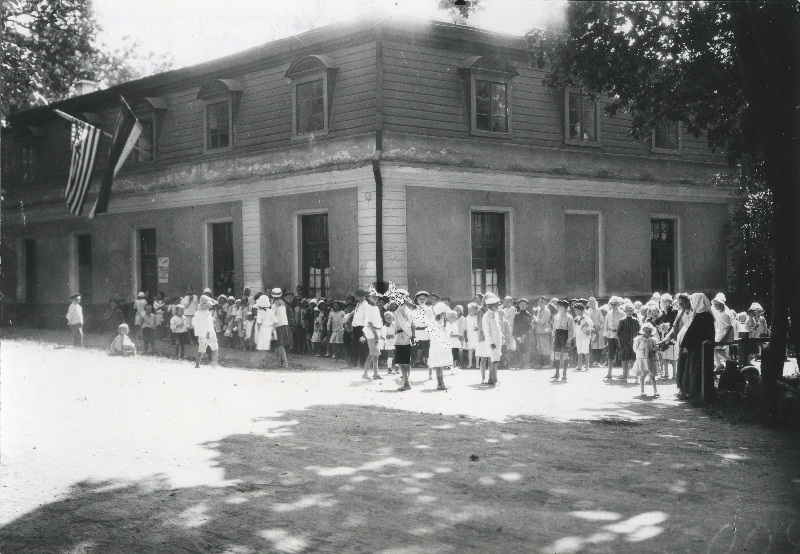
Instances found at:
x=488 y=252
x=31 y=278
x=222 y=258
x=84 y=265
x=315 y=254
x=582 y=252
x=662 y=254
x=148 y=262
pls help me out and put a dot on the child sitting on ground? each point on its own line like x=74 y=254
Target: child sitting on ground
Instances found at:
x=122 y=345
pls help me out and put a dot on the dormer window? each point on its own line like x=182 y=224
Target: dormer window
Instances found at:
x=666 y=138
x=222 y=98
x=313 y=82
x=150 y=113
x=581 y=119
x=487 y=83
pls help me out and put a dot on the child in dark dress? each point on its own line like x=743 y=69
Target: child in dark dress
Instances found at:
x=628 y=330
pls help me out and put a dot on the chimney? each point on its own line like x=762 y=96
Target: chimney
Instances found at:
x=85 y=86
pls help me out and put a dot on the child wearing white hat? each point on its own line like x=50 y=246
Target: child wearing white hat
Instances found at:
x=283 y=332
x=265 y=324
x=493 y=335
x=138 y=306
x=439 y=355
x=645 y=366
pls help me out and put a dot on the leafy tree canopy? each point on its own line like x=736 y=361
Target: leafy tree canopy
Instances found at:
x=48 y=45
x=660 y=61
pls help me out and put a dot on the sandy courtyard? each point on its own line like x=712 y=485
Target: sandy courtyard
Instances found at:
x=149 y=455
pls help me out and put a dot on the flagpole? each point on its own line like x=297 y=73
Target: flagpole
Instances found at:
x=73 y=119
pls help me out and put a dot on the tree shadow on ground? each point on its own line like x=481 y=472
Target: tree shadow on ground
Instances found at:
x=367 y=479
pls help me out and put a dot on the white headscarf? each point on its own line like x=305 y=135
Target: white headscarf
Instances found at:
x=700 y=303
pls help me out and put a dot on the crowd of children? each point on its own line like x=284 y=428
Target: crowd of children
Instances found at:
x=364 y=329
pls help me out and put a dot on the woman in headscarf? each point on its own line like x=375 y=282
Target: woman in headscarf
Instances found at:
x=700 y=330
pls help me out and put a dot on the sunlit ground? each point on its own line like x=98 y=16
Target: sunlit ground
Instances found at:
x=142 y=454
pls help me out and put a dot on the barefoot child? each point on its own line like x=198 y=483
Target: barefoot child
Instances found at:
x=336 y=329
x=645 y=347
x=563 y=333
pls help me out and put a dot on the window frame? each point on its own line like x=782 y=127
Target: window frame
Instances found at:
x=597 y=143
x=33 y=147
x=491 y=77
x=153 y=144
x=207 y=103
x=509 y=261
x=679 y=283
x=207 y=231
x=317 y=74
x=297 y=274
x=659 y=150
x=601 y=247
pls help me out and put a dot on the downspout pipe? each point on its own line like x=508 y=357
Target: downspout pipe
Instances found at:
x=376 y=158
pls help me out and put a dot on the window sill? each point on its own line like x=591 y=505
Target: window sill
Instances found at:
x=490 y=134
x=666 y=151
x=219 y=150
x=584 y=144
x=310 y=136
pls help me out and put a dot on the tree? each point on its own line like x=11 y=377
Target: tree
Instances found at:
x=727 y=68
x=459 y=11
x=48 y=46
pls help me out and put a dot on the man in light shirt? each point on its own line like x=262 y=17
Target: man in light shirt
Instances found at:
x=75 y=320
x=358 y=328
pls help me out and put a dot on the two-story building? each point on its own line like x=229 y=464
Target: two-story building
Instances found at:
x=418 y=152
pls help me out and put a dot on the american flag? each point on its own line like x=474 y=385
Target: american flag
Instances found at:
x=85 y=139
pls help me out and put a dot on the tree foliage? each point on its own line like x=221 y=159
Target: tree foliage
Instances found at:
x=459 y=12
x=49 y=45
x=731 y=69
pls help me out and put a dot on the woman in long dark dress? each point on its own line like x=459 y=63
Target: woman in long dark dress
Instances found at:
x=701 y=329
x=680 y=324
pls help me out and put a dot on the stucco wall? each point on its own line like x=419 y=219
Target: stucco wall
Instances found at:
x=280 y=241
x=439 y=241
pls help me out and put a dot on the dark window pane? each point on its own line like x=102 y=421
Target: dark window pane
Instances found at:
x=218 y=125
x=491 y=107
x=148 y=262
x=144 y=151
x=316 y=254
x=310 y=105
x=667 y=135
x=488 y=252
x=222 y=265
x=662 y=255
x=582 y=118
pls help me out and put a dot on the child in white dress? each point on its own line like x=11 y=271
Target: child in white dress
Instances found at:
x=388 y=332
x=440 y=356
x=644 y=345
x=471 y=333
x=265 y=324
x=583 y=335
x=453 y=331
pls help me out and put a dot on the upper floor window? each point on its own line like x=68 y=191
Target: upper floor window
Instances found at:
x=582 y=119
x=150 y=113
x=667 y=137
x=487 y=83
x=222 y=98
x=313 y=82
x=145 y=145
x=218 y=125
x=27 y=163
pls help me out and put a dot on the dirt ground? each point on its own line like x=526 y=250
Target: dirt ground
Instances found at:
x=103 y=454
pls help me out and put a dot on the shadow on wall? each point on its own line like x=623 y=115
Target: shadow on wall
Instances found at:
x=363 y=479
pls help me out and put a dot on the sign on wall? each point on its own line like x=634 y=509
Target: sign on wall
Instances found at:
x=163 y=270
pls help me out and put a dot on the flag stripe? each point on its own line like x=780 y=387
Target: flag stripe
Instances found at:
x=125 y=136
x=85 y=139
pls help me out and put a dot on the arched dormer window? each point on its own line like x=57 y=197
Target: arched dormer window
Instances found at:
x=313 y=81
x=150 y=112
x=222 y=98
x=487 y=82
